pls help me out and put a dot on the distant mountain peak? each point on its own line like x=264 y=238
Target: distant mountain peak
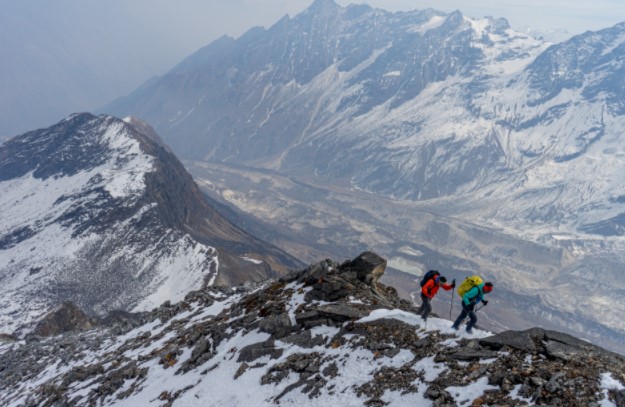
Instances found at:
x=323 y=6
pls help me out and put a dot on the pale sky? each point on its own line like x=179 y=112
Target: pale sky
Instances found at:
x=234 y=17
x=92 y=51
x=207 y=20
x=573 y=15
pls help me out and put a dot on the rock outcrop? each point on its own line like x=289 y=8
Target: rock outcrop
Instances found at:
x=66 y=317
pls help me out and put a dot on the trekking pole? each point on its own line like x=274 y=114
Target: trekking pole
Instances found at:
x=452 y=305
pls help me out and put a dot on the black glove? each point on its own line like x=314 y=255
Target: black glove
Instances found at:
x=453 y=283
x=485 y=302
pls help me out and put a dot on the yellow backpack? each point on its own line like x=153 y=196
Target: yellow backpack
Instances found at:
x=468 y=284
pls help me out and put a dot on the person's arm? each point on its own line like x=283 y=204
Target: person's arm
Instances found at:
x=451 y=286
x=469 y=297
x=447 y=287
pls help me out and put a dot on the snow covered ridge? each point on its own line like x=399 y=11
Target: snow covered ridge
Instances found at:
x=75 y=224
x=94 y=211
x=327 y=335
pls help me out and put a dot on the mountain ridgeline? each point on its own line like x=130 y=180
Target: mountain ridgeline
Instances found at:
x=95 y=210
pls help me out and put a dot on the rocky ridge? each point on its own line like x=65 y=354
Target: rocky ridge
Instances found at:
x=330 y=333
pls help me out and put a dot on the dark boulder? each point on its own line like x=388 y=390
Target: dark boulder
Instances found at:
x=65 y=318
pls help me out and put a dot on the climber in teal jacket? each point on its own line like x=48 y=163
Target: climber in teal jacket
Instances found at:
x=469 y=300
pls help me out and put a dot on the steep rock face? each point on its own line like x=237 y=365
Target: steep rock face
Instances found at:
x=67 y=317
x=326 y=335
x=95 y=211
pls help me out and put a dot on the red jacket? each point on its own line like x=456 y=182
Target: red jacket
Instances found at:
x=431 y=288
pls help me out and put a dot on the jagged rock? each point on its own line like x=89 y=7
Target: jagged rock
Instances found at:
x=7 y=338
x=552 y=385
x=329 y=315
x=81 y=373
x=276 y=325
x=468 y=354
x=257 y=350
x=123 y=321
x=523 y=340
x=554 y=344
x=369 y=267
x=65 y=318
x=304 y=339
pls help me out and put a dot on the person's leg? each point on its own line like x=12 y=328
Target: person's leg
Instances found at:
x=424 y=301
x=428 y=308
x=460 y=318
x=472 y=321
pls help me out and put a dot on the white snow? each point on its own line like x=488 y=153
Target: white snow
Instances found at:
x=393 y=73
x=296 y=300
x=252 y=260
x=29 y=202
x=431 y=370
x=432 y=23
x=182 y=271
x=126 y=180
x=514 y=394
x=433 y=324
x=609 y=383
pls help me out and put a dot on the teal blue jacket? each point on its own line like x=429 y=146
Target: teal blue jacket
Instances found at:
x=474 y=295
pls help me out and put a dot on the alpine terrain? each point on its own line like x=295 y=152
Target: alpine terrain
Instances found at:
x=329 y=334
x=97 y=211
x=436 y=139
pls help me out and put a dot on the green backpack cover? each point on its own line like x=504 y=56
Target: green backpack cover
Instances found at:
x=468 y=284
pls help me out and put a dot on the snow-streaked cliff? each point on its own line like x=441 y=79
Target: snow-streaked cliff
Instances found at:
x=94 y=211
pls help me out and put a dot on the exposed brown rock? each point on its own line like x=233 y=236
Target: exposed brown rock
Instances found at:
x=65 y=318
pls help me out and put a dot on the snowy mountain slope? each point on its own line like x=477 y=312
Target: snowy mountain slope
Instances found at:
x=418 y=105
x=540 y=283
x=95 y=211
x=433 y=113
x=276 y=96
x=327 y=335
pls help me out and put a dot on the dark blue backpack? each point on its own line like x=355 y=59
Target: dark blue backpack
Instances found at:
x=429 y=275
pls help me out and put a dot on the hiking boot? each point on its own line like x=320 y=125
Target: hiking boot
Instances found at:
x=454 y=327
x=469 y=331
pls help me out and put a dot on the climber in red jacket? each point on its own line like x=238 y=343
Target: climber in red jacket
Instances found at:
x=429 y=290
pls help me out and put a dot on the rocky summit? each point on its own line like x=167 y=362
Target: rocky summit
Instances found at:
x=327 y=335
